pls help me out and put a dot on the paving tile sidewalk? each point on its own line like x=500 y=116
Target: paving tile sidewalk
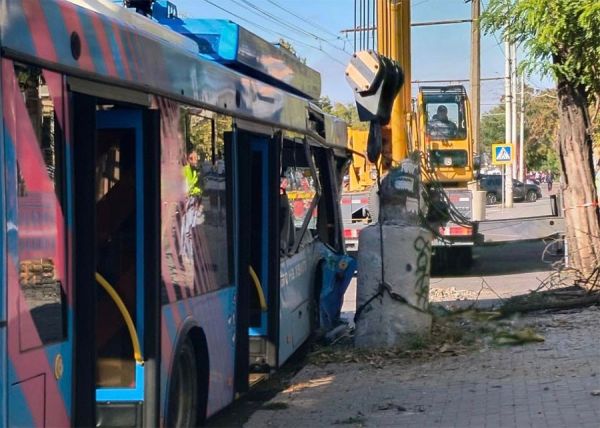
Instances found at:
x=548 y=384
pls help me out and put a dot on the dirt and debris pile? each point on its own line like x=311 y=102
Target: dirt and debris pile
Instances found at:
x=453 y=333
x=452 y=293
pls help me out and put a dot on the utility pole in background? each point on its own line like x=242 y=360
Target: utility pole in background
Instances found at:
x=522 y=132
x=508 y=201
x=513 y=110
x=475 y=72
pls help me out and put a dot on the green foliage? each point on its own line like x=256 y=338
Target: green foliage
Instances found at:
x=561 y=37
x=347 y=112
x=199 y=134
x=325 y=104
x=287 y=46
x=492 y=128
x=541 y=130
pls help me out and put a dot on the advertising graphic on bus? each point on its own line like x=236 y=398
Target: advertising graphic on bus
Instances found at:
x=171 y=211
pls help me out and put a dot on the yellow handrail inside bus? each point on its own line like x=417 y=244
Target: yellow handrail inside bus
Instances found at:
x=135 y=342
x=259 y=290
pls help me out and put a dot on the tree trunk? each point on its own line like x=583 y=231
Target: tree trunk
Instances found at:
x=580 y=198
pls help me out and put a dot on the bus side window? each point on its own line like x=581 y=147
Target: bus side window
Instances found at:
x=205 y=232
x=41 y=223
x=300 y=188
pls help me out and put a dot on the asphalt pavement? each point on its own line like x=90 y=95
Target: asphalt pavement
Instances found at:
x=555 y=383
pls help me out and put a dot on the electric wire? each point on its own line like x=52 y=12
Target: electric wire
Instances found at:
x=275 y=32
x=257 y=10
x=315 y=25
x=355 y=34
x=374 y=25
x=498 y=43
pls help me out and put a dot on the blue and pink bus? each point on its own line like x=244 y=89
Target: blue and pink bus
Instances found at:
x=170 y=199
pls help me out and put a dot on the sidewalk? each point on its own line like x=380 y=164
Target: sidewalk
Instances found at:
x=555 y=383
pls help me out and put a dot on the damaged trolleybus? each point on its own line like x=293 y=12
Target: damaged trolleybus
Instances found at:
x=170 y=202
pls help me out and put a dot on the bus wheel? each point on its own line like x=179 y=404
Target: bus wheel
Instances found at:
x=491 y=198
x=183 y=391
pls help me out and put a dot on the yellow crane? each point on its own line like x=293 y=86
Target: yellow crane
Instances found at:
x=439 y=127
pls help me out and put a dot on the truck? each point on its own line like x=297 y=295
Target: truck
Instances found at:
x=438 y=124
x=449 y=166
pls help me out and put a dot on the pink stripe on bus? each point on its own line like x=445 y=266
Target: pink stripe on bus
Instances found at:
x=104 y=44
x=20 y=129
x=42 y=38
x=73 y=25
x=124 y=59
x=33 y=362
x=54 y=81
x=132 y=54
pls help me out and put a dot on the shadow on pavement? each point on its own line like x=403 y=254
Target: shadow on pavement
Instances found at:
x=503 y=259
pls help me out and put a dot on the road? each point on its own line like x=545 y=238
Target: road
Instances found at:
x=549 y=384
x=520 y=209
x=498 y=271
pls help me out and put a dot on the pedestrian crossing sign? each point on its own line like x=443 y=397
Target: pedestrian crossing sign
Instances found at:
x=502 y=154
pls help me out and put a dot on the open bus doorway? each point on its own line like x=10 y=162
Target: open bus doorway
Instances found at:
x=116 y=247
x=258 y=257
x=119 y=255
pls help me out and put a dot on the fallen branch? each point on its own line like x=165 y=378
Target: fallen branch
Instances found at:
x=542 y=303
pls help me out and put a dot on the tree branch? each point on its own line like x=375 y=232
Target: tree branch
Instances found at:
x=597 y=105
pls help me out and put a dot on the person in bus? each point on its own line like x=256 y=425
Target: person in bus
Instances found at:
x=440 y=125
x=193 y=214
x=190 y=173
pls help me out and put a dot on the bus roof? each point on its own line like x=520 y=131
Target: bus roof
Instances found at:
x=231 y=44
x=100 y=41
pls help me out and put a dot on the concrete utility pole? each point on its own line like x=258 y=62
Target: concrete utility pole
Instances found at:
x=475 y=72
x=508 y=202
x=522 y=132
x=513 y=110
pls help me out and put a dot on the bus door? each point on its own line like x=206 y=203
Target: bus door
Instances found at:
x=116 y=169
x=258 y=267
x=122 y=240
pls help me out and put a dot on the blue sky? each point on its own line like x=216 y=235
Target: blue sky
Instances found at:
x=438 y=52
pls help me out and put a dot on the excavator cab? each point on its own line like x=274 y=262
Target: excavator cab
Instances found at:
x=445 y=128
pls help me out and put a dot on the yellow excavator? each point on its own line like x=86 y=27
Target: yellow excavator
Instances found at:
x=438 y=124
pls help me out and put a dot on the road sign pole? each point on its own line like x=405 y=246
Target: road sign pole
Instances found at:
x=508 y=186
x=503 y=190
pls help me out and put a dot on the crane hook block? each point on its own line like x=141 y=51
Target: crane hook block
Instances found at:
x=375 y=81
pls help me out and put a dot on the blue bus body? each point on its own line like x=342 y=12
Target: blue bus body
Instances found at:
x=203 y=192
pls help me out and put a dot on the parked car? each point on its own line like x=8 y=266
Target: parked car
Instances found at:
x=492 y=184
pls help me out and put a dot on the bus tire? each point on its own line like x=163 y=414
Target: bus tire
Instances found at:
x=188 y=384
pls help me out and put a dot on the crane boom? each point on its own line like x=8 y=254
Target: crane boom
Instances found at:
x=393 y=41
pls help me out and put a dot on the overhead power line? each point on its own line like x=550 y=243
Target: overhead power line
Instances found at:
x=414 y=24
x=277 y=20
x=269 y=30
x=484 y=7
x=456 y=80
x=313 y=24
